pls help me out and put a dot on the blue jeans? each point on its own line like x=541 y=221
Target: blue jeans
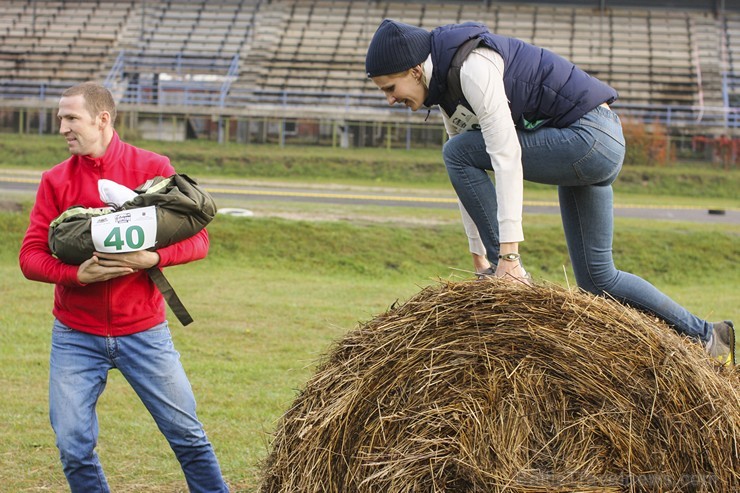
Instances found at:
x=582 y=160
x=148 y=360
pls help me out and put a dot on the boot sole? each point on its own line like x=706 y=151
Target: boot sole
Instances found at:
x=733 y=343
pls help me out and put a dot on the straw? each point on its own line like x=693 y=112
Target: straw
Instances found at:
x=493 y=386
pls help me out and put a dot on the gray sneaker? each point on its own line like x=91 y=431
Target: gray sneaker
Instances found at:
x=723 y=343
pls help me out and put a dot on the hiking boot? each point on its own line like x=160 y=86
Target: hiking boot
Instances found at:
x=723 y=343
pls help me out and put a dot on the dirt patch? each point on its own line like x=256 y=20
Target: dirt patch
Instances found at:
x=356 y=218
x=10 y=206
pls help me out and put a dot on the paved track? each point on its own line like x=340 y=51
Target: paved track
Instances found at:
x=242 y=193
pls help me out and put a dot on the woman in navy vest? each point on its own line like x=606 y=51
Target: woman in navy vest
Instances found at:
x=525 y=113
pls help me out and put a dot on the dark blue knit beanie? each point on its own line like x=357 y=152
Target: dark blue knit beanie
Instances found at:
x=396 y=47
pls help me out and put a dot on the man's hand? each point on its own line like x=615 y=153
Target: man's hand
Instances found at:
x=105 y=266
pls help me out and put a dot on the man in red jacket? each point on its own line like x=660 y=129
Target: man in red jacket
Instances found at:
x=108 y=313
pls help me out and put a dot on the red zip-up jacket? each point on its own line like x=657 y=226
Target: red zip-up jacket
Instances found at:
x=120 y=306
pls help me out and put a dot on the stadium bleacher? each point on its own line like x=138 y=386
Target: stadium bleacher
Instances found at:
x=236 y=54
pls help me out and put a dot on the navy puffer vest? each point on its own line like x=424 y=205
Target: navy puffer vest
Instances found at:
x=542 y=88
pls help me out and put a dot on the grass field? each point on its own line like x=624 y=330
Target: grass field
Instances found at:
x=272 y=297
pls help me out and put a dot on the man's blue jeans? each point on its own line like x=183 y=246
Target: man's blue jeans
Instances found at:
x=79 y=366
x=582 y=160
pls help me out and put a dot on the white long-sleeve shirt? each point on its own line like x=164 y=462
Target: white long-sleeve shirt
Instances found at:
x=482 y=82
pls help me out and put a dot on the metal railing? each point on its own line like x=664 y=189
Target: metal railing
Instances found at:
x=681 y=116
x=183 y=90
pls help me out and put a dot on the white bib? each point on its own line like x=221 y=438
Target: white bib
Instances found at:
x=463 y=119
x=125 y=231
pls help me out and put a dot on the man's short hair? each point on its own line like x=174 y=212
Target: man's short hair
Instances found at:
x=97 y=98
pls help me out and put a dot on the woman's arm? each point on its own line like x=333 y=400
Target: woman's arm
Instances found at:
x=481 y=78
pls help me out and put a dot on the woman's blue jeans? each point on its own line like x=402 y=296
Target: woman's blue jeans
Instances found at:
x=79 y=366
x=582 y=160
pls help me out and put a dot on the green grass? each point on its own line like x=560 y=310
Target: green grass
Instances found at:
x=275 y=293
x=268 y=301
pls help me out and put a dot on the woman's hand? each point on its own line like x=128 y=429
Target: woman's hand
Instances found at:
x=510 y=265
x=512 y=271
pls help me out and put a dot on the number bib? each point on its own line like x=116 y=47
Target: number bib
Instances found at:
x=463 y=119
x=125 y=231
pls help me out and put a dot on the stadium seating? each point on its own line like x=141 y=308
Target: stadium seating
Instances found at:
x=732 y=43
x=57 y=41
x=308 y=49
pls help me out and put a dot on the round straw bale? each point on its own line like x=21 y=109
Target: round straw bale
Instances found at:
x=496 y=386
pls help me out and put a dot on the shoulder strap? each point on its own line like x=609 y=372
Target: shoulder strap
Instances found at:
x=454 y=88
x=164 y=286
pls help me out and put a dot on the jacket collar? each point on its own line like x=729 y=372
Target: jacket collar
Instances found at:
x=445 y=42
x=112 y=153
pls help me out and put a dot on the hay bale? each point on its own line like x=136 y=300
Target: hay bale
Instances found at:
x=495 y=386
